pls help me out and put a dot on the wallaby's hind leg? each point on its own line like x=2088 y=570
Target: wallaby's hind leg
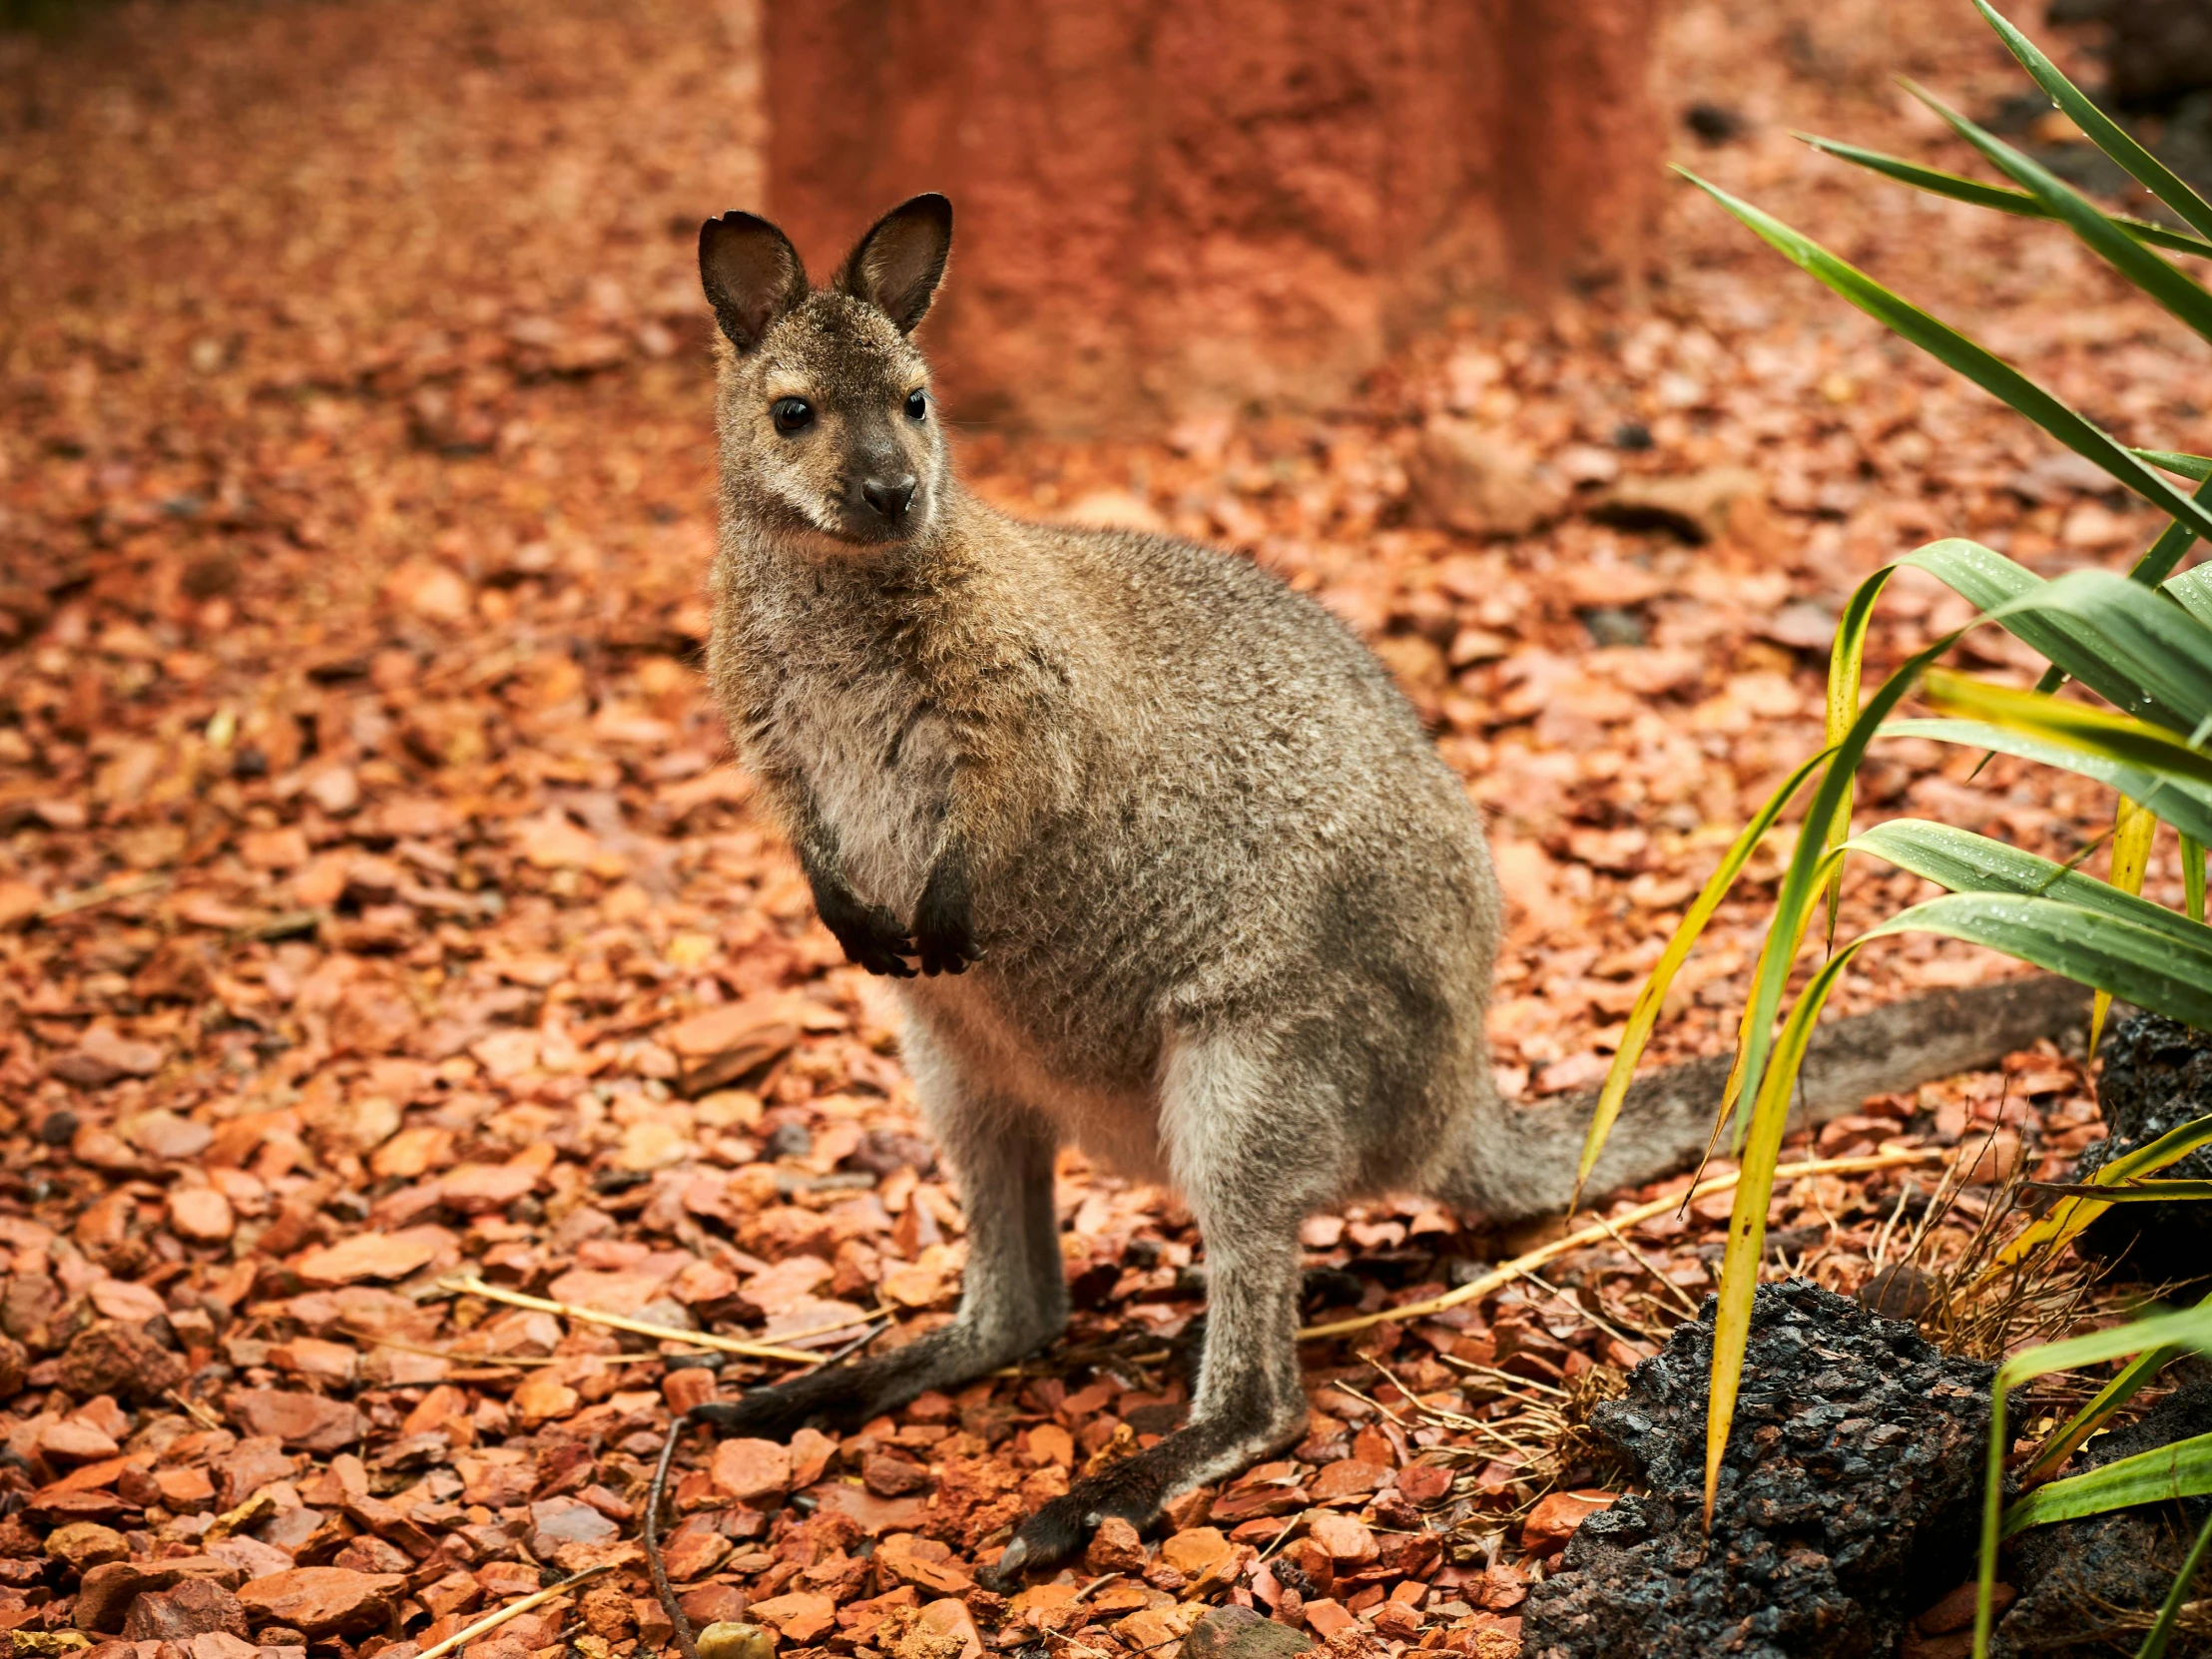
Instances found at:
x=1013 y=1298
x=1222 y=1117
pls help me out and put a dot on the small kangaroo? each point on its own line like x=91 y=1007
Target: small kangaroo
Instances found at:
x=1162 y=862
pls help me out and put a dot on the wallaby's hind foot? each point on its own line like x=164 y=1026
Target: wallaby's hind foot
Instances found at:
x=1139 y=1488
x=1013 y=1296
x=846 y=1395
x=1222 y=1098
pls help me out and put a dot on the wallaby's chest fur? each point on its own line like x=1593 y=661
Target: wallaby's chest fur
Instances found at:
x=849 y=687
x=1195 y=780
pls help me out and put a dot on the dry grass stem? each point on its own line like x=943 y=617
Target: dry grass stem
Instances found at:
x=1507 y=1272
x=491 y=1622
x=470 y=1285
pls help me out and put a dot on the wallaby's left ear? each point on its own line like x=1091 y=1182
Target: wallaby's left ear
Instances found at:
x=899 y=264
x=751 y=273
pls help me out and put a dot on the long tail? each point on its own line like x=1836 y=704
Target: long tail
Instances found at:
x=1521 y=1162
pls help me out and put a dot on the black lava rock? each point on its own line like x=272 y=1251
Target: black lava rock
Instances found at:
x=1849 y=1495
x=2089 y=1588
x=2157 y=1076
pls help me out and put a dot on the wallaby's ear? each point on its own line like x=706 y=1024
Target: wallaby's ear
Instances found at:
x=898 y=265
x=751 y=274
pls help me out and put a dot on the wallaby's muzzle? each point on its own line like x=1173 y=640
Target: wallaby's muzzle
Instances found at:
x=889 y=499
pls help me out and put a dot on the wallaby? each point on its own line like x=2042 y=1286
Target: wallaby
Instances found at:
x=1163 y=864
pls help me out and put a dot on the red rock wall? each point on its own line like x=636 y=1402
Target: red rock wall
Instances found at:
x=1168 y=206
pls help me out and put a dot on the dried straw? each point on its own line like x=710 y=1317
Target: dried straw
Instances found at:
x=1604 y=1231
x=470 y=1285
x=461 y=1638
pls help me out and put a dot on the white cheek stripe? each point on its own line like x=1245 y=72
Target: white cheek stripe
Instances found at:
x=792 y=488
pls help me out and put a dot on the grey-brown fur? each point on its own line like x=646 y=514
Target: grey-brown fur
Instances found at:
x=1183 y=879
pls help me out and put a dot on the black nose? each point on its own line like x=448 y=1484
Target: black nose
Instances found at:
x=889 y=499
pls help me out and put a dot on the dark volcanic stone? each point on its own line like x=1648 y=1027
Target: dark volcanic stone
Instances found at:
x=2075 y=1576
x=1849 y=1495
x=2157 y=1076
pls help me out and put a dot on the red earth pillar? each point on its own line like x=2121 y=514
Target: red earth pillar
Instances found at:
x=1167 y=207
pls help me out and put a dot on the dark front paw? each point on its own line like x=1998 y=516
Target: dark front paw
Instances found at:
x=944 y=926
x=871 y=936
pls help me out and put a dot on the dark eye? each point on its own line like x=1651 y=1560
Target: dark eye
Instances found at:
x=792 y=414
x=918 y=404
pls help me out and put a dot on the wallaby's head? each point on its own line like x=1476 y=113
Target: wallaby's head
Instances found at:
x=829 y=431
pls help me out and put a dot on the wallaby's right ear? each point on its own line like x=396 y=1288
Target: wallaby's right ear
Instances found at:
x=899 y=264
x=751 y=274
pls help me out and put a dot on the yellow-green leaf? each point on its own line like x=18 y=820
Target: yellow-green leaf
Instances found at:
x=2182 y=1470
x=1747 y=1219
x=2100 y=1409
x=2074 y=724
x=2134 y=1192
x=1652 y=998
x=2066 y=1219
x=2132 y=829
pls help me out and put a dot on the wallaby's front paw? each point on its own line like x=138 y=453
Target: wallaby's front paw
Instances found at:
x=944 y=930
x=871 y=936
x=948 y=952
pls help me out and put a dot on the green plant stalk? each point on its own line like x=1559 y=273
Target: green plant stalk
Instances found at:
x=1944 y=342
x=1652 y=998
x=2133 y=827
x=1800 y=886
x=2101 y=130
x=2154 y=1645
x=2191 y=1329
x=1846 y=658
x=1973 y=192
x=1746 y=1218
x=2192 y=877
